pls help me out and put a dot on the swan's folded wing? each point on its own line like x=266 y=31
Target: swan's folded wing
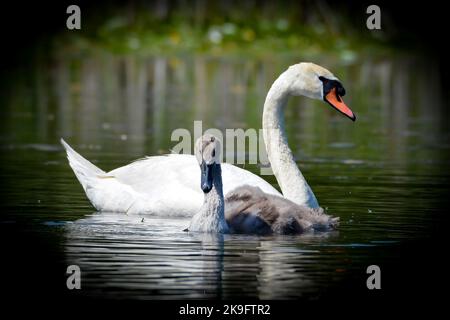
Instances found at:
x=157 y=174
x=176 y=178
x=163 y=185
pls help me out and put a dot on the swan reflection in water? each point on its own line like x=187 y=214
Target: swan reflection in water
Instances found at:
x=146 y=257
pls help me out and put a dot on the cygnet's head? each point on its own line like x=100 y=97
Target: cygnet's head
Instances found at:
x=207 y=151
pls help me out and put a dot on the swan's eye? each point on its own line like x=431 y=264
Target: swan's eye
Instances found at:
x=214 y=153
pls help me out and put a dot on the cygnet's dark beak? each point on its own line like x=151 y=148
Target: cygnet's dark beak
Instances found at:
x=207 y=177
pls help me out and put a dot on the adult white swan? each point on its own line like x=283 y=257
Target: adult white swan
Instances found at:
x=168 y=185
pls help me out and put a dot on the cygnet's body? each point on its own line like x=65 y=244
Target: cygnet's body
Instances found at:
x=248 y=209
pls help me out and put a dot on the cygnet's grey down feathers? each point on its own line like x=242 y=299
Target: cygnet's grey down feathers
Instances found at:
x=249 y=210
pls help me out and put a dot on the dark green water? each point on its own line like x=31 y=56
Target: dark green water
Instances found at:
x=385 y=176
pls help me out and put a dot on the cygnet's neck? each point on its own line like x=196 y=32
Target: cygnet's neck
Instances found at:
x=211 y=216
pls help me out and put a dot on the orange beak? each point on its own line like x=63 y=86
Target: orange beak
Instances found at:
x=336 y=102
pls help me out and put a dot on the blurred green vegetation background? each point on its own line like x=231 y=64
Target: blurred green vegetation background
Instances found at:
x=257 y=28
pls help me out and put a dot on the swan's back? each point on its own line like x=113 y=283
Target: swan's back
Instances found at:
x=250 y=210
x=180 y=170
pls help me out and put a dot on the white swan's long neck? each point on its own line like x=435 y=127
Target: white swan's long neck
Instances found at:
x=211 y=217
x=292 y=183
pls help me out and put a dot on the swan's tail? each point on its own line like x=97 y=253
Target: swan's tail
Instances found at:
x=86 y=172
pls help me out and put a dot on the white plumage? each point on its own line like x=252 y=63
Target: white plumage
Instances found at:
x=163 y=185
